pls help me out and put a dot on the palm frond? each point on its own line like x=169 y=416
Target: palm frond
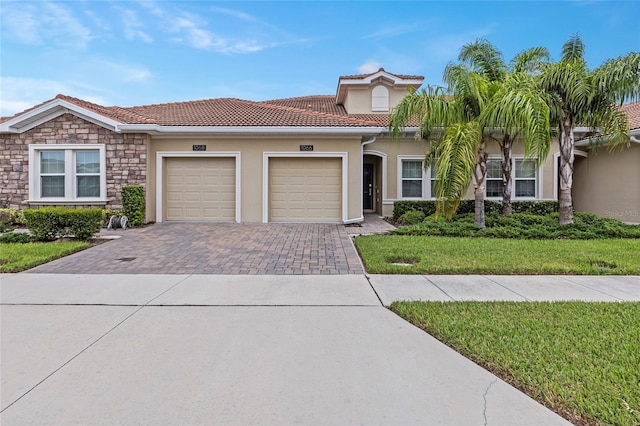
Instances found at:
x=619 y=78
x=573 y=49
x=530 y=61
x=484 y=58
x=455 y=159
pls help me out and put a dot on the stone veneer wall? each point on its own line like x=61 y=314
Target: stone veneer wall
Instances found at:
x=126 y=157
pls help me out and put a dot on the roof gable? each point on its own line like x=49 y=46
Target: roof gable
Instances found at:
x=380 y=76
x=56 y=107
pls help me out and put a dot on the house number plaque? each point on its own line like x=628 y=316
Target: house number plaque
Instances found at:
x=306 y=147
x=199 y=147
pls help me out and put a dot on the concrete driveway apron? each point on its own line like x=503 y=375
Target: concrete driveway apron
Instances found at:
x=207 y=248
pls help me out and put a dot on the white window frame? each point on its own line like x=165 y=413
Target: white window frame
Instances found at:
x=70 y=181
x=537 y=179
x=380 y=98
x=499 y=197
x=426 y=178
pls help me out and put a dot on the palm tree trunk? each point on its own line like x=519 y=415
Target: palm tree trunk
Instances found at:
x=479 y=179
x=566 y=172
x=507 y=182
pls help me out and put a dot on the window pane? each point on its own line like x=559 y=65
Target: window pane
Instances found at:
x=525 y=188
x=525 y=169
x=494 y=188
x=52 y=162
x=412 y=188
x=494 y=169
x=52 y=186
x=412 y=169
x=88 y=186
x=88 y=161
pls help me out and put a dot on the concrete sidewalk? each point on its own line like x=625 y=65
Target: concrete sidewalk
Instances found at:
x=521 y=288
x=224 y=349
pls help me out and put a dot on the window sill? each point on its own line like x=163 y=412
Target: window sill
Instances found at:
x=68 y=202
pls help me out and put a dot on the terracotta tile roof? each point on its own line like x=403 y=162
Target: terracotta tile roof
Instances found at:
x=119 y=114
x=319 y=103
x=633 y=112
x=363 y=76
x=238 y=112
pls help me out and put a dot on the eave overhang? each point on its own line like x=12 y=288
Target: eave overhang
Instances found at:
x=51 y=110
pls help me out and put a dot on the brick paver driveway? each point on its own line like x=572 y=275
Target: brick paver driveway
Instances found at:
x=204 y=248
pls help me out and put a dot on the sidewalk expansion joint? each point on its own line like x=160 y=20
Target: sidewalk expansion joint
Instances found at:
x=507 y=288
x=374 y=289
x=590 y=288
x=140 y=307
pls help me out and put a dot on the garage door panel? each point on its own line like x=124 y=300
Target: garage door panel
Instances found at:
x=201 y=189
x=305 y=189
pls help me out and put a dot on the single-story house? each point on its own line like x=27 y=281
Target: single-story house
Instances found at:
x=305 y=159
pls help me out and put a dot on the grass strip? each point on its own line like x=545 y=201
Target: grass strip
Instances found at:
x=579 y=359
x=16 y=257
x=409 y=254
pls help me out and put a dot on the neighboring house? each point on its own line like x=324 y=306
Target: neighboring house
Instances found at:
x=305 y=159
x=608 y=183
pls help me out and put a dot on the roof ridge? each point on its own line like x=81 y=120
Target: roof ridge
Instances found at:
x=318 y=113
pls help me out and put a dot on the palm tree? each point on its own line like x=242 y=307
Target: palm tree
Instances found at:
x=516 y=106
x=481 y=93
x=459 y=152
x=588 y=98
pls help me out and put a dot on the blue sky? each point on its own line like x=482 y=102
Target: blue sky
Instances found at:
x=141 y=52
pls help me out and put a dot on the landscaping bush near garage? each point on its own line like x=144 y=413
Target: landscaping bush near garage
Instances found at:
x=428 y=207
x=50 y=223
x=133 y=204
x=10 y=219
x=586 y=226
x=580 y=359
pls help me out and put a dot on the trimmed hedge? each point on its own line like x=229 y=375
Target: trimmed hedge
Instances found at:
x=587 y=226
x=428 y=207
x=133 y=204
x=50 y=223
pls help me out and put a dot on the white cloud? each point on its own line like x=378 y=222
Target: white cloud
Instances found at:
x=132 y=26
x=31 y=23
x=388 y=32
x=369 y=67
x=117 y=72
x=20 y=93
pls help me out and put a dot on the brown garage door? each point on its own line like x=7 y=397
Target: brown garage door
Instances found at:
x=201 y=189
x=305 y=189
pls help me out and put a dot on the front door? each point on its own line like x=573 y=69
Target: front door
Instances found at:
x=367 y=187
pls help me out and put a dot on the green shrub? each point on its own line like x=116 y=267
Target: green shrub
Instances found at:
x=586 y=226
x=133 y=204
x=428 y=207
x=49 y=223
x=412 y=217
x=16 y=237
x=11 y=218
x=540 y=208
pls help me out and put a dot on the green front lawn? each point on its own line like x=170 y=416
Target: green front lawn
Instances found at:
x=16 y=257
x=410 y=254
x=580 y=359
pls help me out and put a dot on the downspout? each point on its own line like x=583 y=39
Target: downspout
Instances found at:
x=635 y=139
x=367 y=142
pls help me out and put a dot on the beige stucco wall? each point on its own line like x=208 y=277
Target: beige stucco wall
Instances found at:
x=608 y=184
x=251 y=163
x=411 y=147
x=358 y=99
